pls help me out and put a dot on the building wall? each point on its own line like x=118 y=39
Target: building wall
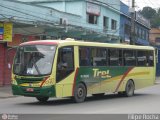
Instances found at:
x=124 y=20
x=57 y=5
x=143 y=36
x=111 y=15
x=154 y=33
x=114 y=3
x=10 y=53
x=68 y=7
x=2 y=63
x=141 y=30
x=80 y=8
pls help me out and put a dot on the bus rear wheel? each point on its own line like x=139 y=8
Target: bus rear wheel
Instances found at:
x=80 y=93
x=129 y=90
x=42 y=99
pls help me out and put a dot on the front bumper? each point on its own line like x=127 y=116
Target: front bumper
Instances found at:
x=48 y=91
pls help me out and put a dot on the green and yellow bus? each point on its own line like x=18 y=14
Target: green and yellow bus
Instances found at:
x=68 y=68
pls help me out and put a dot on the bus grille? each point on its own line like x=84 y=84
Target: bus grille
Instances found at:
x=29 y=80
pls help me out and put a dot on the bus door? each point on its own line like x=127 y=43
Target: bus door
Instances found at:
x=65 y=71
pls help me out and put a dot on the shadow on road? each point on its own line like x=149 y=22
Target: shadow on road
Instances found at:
x=67 y=101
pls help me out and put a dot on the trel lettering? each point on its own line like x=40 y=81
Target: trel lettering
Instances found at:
x=102 y=74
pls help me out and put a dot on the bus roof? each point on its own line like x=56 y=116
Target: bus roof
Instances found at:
x=84 y=43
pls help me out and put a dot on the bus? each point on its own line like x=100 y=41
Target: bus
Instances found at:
x=75 y=69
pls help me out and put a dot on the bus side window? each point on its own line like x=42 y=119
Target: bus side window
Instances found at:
x=129 y=58
x=113 y=57
x=84 y=56
x=98 y=56
x=65 y=62
x=150 y=58
x=141 y=58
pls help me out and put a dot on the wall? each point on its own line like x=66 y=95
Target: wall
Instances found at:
x=154 y=33
x=56 y=5
x=126 y=19
x=74 y=7
x=2 y=63
x=111 y=15
x=8 y=65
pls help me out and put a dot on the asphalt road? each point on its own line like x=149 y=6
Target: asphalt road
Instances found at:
x=146 y=100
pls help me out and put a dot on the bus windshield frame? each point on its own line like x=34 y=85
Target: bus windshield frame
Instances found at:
x=34 y=60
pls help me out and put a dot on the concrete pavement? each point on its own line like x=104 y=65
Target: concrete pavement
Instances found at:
x=6 y=92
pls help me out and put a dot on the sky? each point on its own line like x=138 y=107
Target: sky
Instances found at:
x=142 y=3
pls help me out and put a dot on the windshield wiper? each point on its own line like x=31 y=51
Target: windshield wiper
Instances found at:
x=36 y=67
x=39 y=73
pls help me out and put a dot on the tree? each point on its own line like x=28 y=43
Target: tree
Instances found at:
x=148 y=12
x=155 y=23
x=158 y=12
x=152 y=15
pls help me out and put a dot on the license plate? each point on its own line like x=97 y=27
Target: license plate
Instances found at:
x=29 y=89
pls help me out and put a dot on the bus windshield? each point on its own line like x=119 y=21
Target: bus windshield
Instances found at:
x=34 y=60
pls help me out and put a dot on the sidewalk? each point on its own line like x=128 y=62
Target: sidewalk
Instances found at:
x=6 y=92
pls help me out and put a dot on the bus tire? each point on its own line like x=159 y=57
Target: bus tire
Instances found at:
x=129 y=90
x=42 y=99
x=80 y=93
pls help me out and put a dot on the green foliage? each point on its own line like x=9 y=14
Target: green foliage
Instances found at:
x=152 y=15
x=148 y=12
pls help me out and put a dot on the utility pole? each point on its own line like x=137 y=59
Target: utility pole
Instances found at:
x=132 y=34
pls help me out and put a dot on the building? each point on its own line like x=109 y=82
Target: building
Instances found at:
x=97 y=20
x=142 y=27
x=154 y=37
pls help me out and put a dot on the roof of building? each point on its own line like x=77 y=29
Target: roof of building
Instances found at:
x=155 y=31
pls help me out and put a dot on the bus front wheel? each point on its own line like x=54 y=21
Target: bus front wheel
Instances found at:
x=42 y=99
x=129 y=90
x=80 y=93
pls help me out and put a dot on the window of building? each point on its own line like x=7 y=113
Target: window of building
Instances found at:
x=92 y=19
x=105 y=22
x=141 y=33
x=129 y=58
x=137 y=32
x=157 y=39
x=113 y=24
x=147 y=35
x=127 y=29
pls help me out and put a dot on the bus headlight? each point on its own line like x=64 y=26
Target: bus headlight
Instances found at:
x=14 y=82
